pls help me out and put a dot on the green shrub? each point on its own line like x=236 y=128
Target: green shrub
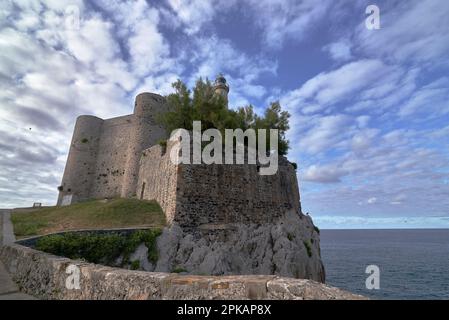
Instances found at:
x=163 y=144
x=179 y=270
x=135 y=265
x=295 y=165
x=100 y=248
x=308 y=248
x=290 y=236
x=84 y=140
x=148 y=237
x=201 y=104
x=316 y=229
x=93 y=248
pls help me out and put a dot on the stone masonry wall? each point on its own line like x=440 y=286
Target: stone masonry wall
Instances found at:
x=206 y=195
x=111 y=157
x=44 y=276
x=223 y=194
x=158 y=180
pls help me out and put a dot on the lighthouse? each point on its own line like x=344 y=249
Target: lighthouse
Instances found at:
x=221 y=88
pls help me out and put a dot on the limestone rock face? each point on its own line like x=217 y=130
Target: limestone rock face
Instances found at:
x=289 y=247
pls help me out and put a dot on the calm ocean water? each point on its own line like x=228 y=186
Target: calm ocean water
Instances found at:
x=414 y=264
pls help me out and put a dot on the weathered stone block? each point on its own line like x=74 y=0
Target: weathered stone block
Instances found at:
x=44 y=276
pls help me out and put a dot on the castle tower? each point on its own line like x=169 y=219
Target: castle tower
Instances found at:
x=221 y=88
x=145 y=133
x=80 y=167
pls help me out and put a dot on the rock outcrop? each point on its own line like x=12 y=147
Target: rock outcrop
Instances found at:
x=289 y=247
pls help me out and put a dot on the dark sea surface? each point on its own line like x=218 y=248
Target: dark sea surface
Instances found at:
x=414 y=264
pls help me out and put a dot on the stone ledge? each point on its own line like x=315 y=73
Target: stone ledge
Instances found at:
x=43 y=275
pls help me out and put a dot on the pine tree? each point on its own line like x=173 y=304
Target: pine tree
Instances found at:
x=212 y=111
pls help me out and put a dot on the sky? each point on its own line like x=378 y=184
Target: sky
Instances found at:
x=369 y=108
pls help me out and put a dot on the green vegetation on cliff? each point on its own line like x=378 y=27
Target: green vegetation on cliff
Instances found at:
x=308 y=248
x=202 y=105
x=95 y=214
x=101 y=248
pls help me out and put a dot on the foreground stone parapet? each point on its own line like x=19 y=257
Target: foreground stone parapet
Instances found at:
x=44 y=276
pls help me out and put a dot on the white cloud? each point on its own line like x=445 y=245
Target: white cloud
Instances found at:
x=94 y=41
x=161 y=84
x=213 y=56
x=194 y=13
x=431 y=100
x=283 y=20
x=50 y=74
x=329 y=88
x=277 y=21
x=362 y=121
x=362 y=140
x=326 y=133
x=148 y=49
x=411 y=31
x=395 y=168
x=323 y=174
x=340 y=50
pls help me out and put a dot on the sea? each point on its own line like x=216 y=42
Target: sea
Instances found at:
x=408 y=264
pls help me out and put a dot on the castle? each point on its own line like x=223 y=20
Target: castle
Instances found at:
x=121 y=157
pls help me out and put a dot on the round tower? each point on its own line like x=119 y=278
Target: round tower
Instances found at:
x=221 y=88
x=149 y=104
x=145 y=133
x=80 y=167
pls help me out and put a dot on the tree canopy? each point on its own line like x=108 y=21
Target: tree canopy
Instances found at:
x=202 y=105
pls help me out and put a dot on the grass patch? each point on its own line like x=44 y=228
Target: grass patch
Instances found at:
x=308 y=248
x=100 y=248
x=135 y=265
x=179 y=270
x=162 y=143
x=96 y=214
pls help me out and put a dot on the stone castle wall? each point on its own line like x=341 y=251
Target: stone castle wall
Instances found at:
x=211 y=195
x=104 y=155
x=223 y=194
x=158 y=178
x=111 y=157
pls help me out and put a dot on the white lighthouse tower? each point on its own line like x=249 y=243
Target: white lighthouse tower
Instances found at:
x=221 y=88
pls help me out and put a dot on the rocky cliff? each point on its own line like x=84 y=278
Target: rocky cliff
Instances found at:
x=289 y=247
